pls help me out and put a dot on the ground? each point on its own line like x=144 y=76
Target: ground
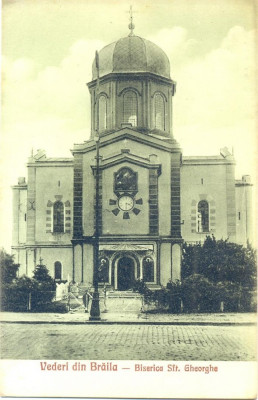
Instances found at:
x=143 y=341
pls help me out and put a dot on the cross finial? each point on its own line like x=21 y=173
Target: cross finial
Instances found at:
x=131 y=26
x=40 y=260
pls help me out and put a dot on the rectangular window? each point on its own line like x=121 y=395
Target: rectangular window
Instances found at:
x=239 y=215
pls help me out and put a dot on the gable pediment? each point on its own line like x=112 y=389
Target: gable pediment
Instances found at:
x=125 y=156
x=153 y=140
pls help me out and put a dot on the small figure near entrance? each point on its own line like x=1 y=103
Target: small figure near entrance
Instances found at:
x=86 y=299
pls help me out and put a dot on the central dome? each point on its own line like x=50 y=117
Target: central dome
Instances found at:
x=132 y=54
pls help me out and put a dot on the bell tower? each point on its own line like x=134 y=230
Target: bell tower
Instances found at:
x=133 y=89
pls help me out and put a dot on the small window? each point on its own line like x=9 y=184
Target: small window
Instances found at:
x=58 y=217
x=148 y=269
x=102 y=113
x=203 y=216
x=58 y=271
x=130 y=108
x=239 y=215
x=159 y=112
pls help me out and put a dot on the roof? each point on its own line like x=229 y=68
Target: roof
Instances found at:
x=132 y=54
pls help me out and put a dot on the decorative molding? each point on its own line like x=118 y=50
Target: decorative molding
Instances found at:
x=161 y=94
x=128 y=89
x=153 y=202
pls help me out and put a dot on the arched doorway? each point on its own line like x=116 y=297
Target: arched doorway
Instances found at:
x=125 y=273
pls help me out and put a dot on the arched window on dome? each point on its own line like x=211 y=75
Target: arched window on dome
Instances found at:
x=203 y=216
x=58 y=217
x=130 y=108
x=102 y=113
x=159 y=107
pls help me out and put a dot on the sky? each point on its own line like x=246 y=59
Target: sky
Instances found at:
x=48 y=48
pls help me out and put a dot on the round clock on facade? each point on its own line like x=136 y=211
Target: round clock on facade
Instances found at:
x=125 y=203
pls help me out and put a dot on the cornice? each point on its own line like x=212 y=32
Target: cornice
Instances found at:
x=20 y=187
x=42 y=245
x=216 y=160
x=126 y=156
x=127 y=133
x=52 y=163
x=130 y=75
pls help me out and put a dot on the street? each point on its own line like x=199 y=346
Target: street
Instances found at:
x=127 y=342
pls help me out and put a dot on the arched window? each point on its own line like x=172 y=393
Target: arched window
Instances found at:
x=103 y=269
x=58 y=217
x=58 y=271
x=130 y=108
x=148 y=269
x=159 y=112
x=203 y=216
x=102 y=113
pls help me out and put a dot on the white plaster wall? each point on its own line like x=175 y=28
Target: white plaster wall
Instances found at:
x=78 y=263
x=176 y=262
x=88 y=264
x=214 y=186
x=165 y=263
x=46 y=188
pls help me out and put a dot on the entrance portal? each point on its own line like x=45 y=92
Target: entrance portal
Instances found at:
x=125 y=273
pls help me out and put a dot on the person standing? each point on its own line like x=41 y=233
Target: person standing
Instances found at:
x=105 y=297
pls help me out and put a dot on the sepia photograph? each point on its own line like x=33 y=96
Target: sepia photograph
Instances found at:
x=128 y=199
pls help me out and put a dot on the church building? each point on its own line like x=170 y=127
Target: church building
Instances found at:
x=151 y=198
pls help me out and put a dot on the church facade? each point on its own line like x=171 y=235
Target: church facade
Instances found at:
x=151 y=197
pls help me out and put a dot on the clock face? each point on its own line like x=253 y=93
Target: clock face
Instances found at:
x=125 y=203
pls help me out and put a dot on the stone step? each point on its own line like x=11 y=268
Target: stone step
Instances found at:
x=122 y=294
x=123 y=305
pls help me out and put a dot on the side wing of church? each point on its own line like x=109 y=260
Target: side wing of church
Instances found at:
x=151 y=198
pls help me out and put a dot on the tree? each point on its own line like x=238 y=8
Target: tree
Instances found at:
x=220 y=260
x=24 y=293
x=9 y=269
x=229 y=266
x=45 y=290
x=41 y=274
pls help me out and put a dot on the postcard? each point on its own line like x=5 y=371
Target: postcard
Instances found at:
x=128 y=175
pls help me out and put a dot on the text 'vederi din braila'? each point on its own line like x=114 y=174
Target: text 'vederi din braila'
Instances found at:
x=109 y=366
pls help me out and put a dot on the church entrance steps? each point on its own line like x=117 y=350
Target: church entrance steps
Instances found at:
x=116 y=301
x=122 y=304
x=122 y=294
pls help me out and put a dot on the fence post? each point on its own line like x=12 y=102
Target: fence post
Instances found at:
x=29 y=302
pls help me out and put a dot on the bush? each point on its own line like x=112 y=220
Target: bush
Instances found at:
x=33 y=294
x=54 y=307
x=199 y=294
x=174 y=297
x=17 y=294
x=220 y=261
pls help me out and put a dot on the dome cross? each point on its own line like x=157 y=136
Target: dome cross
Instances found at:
x=131 y=26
